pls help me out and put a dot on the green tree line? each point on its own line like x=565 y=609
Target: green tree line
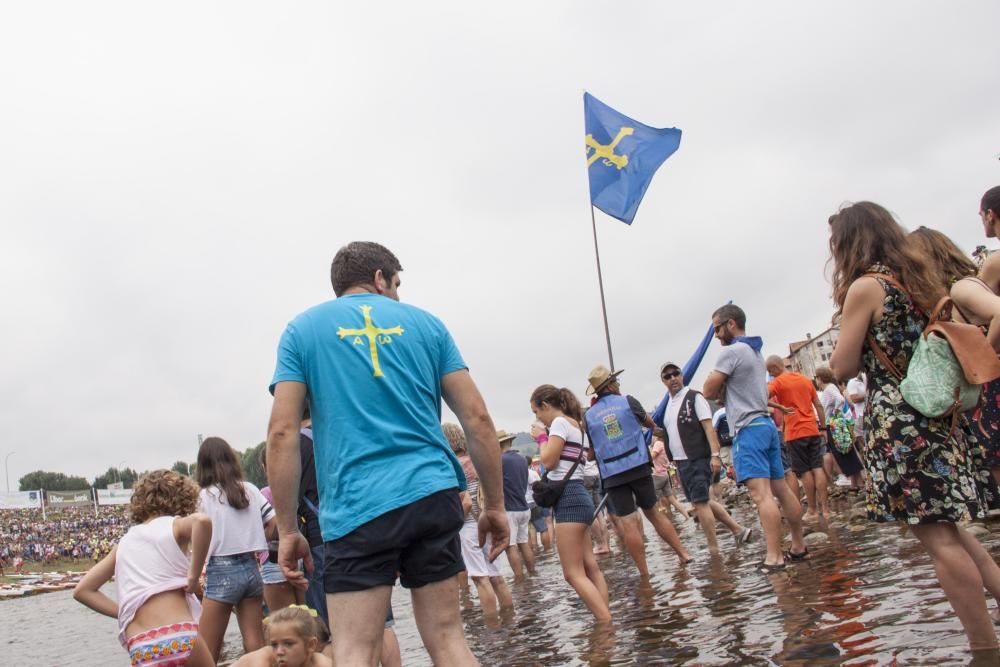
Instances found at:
x=253 y=472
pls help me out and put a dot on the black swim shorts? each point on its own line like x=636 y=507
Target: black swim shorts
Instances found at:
x=807 y=453
x=625 y=497
x=419 y=541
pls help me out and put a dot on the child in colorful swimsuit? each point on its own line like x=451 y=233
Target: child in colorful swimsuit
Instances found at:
x=156 y=578
x=294 y=638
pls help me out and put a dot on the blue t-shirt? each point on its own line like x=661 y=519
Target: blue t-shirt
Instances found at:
x=372 y=368
x=515 y=481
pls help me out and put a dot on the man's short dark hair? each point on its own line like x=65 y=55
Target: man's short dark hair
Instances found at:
x=991 y=201
x=356 y=263
x=731 y=312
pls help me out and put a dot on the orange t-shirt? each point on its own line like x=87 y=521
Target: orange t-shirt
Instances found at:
x=794 y=390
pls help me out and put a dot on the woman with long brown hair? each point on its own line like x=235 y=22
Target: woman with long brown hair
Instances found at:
x=240 y=516
x=975 y=303
x=920 y=471
x=562 y=455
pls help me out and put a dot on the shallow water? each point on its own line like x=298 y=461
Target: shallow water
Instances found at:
x=868 y=596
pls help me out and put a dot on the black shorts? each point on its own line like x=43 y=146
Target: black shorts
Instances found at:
x=696 y=478
x=419 y=541
x=625 y=497
x=806 y=453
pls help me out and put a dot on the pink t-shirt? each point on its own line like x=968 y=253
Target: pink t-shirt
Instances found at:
x=660 y=460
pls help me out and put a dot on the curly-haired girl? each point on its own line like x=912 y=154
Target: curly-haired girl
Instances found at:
x=156 y=577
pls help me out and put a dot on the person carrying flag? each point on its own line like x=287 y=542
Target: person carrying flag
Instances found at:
x=740 y=375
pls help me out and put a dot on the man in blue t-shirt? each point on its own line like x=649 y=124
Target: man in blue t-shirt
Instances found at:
x=515 y=502
x=374 y=372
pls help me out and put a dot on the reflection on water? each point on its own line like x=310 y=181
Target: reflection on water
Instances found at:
x=868 y=597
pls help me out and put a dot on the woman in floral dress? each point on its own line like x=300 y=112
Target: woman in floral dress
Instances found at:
x=919 y=471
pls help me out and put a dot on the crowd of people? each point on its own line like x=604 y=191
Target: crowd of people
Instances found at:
x=68 y=534
x=459 y=496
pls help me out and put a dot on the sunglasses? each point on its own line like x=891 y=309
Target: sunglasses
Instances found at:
x=670 y=374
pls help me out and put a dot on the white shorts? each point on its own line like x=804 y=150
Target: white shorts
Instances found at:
x=477 y=562
x=518 y=523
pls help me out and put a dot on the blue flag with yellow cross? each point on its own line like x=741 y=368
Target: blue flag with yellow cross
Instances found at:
x=622 y=156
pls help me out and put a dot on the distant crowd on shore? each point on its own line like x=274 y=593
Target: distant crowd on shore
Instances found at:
x=71 y=533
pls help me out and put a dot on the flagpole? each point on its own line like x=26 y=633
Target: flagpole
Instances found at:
x=600 y=283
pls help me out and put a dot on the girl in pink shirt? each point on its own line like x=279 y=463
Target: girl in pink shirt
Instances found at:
x=157 y=566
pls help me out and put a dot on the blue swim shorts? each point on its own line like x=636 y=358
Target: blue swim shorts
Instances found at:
x=757 y=451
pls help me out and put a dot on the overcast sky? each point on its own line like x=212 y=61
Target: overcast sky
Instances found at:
x=176 y=177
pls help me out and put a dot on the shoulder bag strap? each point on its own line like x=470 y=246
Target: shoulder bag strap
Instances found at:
x=961 y=312
x=579 y=459
x=883 y=357
x=880 y=354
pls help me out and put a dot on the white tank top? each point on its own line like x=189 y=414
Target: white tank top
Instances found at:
x=149 y=562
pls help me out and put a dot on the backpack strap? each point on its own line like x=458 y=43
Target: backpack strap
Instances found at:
x=883 y=358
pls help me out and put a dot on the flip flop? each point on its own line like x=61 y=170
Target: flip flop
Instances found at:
x=770 y=569
x=744 y=537
x=791 y=555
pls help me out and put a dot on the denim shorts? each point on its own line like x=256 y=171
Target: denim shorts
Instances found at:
x=230 y=579
x=696 y=478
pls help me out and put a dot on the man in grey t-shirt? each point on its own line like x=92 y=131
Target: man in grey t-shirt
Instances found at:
x=741 y=376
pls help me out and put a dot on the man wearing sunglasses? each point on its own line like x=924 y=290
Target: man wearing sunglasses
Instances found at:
x=694 y=447
x=740 y=375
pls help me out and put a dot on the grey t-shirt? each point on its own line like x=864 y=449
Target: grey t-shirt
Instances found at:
x=746 y=389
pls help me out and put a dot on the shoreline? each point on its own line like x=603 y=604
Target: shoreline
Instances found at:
x=16 y=586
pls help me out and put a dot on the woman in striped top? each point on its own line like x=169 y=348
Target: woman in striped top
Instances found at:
x=560 y=411
x=489 y=583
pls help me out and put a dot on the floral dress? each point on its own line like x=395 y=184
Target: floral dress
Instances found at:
x=986 y=418
x=916 y=472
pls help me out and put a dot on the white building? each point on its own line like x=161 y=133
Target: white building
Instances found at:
x=805 y=356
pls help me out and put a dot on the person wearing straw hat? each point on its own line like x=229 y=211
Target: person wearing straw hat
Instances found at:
x=515 y=488
x=614 y=424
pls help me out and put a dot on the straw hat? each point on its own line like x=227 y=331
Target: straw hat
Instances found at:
x=503 y=436
x=600 y=376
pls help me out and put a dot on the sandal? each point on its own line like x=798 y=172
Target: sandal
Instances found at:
x=770 y=569
x=791 y=555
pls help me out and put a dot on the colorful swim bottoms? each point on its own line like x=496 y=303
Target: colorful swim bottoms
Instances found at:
x=169 y=646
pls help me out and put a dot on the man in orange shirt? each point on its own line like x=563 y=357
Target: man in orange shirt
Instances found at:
x=805 y=420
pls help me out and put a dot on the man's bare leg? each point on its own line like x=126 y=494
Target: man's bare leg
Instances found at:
x=792 y=509
x=822 y=493
x=528 y=555
x=391 y=655
x=633 y=541
x=357 y=619
x=809 y=482
x=665 y=529
x=436 y=610
x=770 y=517
x=514 y=558
x=707 y=519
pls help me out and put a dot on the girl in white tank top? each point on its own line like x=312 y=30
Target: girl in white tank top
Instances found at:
x=156 y=577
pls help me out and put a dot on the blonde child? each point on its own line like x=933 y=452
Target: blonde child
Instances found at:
x=295 y=636
x=155 y=576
